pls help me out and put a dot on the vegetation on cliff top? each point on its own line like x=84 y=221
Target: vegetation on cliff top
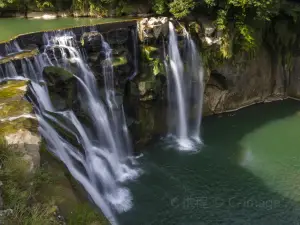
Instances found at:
x=242 y=22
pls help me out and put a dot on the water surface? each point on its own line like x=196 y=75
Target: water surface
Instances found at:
x=11 y=27
x=248 y=173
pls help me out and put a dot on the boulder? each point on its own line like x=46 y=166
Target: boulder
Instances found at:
x=62 y=87
x=153 y=28
x=91 y=41
x=54 y=75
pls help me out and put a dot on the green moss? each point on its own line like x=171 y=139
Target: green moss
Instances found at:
x=158 y=67
x=12 y=89
x=85 y=214
x=12 y=104
x=10 y=127
x=149 y=52
x=119 y=61
x=88 y=36
x=21 y=55
x=54 y=74
x=15 y=108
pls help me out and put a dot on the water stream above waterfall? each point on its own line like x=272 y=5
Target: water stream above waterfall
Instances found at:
x=12 y=27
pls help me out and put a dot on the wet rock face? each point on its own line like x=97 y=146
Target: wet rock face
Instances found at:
x=18 y=124
x=150 y=82
x=29 y=53
x=91 y=41
x=244 y=82
x=293 y=86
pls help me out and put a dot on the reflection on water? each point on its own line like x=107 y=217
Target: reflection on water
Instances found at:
x=274 y=155
x=246 y=174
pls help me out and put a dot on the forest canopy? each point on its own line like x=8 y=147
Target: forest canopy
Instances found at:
x=259 y=9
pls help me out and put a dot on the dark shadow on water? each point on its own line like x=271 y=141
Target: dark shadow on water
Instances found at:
x=210 y=187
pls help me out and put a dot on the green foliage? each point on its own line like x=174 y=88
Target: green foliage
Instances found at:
x=160 y=6
x=181 y=8
x=19 y=192
x=237 y=19
x=43 y=4
x=158 y=67
x=5 y=3
x=123 y=8
x=85 y=214
x=99 y=7
x=178 y=8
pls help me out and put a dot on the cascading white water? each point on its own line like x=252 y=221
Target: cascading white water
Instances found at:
x=134 y=35
x=185 y=91
x=106 y=159
x=8 y=72
x=197 y=87
x=12 y=47
x=115 y=108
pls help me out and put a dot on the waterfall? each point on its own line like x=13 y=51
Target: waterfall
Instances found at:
x=134 y=35
x=12 y=47
x=104 y=160
x=185 y=91
x=197 y=86
x=8 y=72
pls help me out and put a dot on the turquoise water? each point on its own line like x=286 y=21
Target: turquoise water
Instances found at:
x=11 y=27
x=247 y=173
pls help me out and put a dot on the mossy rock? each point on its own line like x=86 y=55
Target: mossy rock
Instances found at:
x=10 y=127
x=15 y=108
x=62 y=86
x=12 y=89
x=149 y=53
x=13 y=104
x=150 y=89
x=158 y=67
x=91 y=41
x=55 y=74
x=119 y=61
x=20 y=55
x=87 y=37
x=152 y=69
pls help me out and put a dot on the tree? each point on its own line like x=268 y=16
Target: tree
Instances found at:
x=5 y=3
x=181 y=8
